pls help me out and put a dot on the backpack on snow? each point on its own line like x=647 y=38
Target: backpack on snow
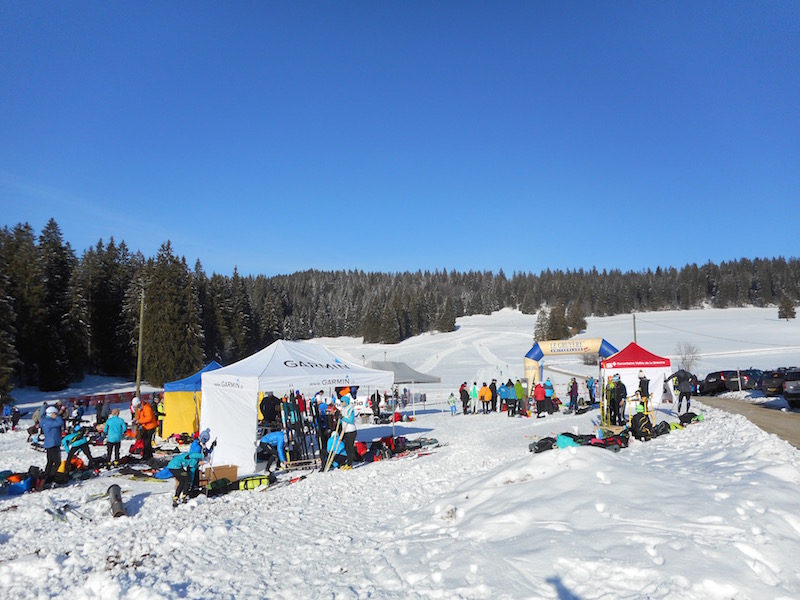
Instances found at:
x=662 y=428
x=690 y=417
x=546 y=443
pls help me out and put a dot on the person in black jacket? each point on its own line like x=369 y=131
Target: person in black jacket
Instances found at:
x=684 y=380
x=464 y=395
x=269 y=408
x=620 y=397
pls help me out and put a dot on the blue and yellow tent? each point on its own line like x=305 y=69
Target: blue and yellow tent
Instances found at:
x=182 y=403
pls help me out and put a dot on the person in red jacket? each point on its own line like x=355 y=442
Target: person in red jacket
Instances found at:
x=539 y=395
x=147 y=426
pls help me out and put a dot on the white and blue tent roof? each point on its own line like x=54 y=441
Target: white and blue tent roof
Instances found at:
x=230 y=394
x=193 y=382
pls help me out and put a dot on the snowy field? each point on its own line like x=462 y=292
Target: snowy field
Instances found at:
x=712 y=511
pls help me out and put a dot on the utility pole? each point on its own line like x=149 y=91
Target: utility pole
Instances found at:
x=141 y=335
x=634 y=328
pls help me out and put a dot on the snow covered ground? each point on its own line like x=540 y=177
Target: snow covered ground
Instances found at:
x=708 y=512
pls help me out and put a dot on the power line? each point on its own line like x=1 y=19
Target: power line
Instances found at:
x=713 y=337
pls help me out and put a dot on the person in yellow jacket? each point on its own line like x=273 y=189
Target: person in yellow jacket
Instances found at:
x=147 y=426
x=485 y=396
x=160 y=416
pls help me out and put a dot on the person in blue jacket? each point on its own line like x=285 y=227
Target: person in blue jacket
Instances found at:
x=52 y=425
x=336 y=446
x=549 y=391
x=184 y=468
x=349 y=429
x=271 y=443
x=199 y=443
x=114 y=428
x=76 y=442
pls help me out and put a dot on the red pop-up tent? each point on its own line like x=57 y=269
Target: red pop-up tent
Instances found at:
x=633 y=359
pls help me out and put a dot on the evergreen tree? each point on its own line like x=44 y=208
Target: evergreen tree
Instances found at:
x=172 y=336
x=576 y=319
x=447 y=319
x=27 y=293
x=103 y=277
x=60 y=335
x=8 y=350
x=542 y=325
x=241 y=326
x=557 y=328
x=786 y=309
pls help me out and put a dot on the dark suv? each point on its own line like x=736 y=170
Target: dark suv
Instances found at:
x=791 y=388
x=744 y=379
x=772 y=382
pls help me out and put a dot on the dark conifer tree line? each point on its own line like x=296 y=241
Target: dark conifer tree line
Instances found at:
x=63 y=316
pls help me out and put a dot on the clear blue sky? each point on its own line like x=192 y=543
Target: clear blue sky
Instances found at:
x=390 y=136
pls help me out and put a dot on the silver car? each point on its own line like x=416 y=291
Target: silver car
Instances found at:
x=791 y=388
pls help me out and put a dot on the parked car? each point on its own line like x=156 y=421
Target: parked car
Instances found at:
x=714 y=383
x=772 y=382
x=743 y=379
x=729 y=381
x=791 y=388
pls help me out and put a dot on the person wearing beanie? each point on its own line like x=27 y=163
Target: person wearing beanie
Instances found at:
x=348 y=427
x=184 y=469
x=147 y=426
x=641 y=426
x=52 y=427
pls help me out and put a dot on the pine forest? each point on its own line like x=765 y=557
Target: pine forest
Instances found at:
x=63 y=316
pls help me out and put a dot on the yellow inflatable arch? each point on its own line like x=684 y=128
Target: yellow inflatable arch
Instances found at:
x=555 y=347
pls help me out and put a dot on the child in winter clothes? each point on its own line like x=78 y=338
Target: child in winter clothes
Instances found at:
x=76 y=442
x=452 y=402
x=114 y=428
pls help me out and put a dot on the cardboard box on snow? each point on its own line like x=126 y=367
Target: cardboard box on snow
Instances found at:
x=229 y=472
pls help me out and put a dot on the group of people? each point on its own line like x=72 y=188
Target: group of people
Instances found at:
x=489 y=398
x=511 y=397
x=10 y=415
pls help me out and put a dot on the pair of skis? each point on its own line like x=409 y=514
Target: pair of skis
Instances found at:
x=332 y=452
x=60 y=512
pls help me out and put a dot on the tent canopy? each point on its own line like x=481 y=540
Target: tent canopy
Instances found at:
x=182 y=403
x=192 y=382
x=403 y=373
x=634 y=356
x=230 y=394
x=628 y=362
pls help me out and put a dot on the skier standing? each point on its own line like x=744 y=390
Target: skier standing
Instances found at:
x=51 y=425
x=114 y=428
x=349 y=427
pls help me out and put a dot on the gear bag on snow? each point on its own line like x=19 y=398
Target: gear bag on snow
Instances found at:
x=546 y=443
x=662 y=428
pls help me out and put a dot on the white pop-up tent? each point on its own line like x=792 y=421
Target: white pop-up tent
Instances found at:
x=632 y=359
x=230 y=394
